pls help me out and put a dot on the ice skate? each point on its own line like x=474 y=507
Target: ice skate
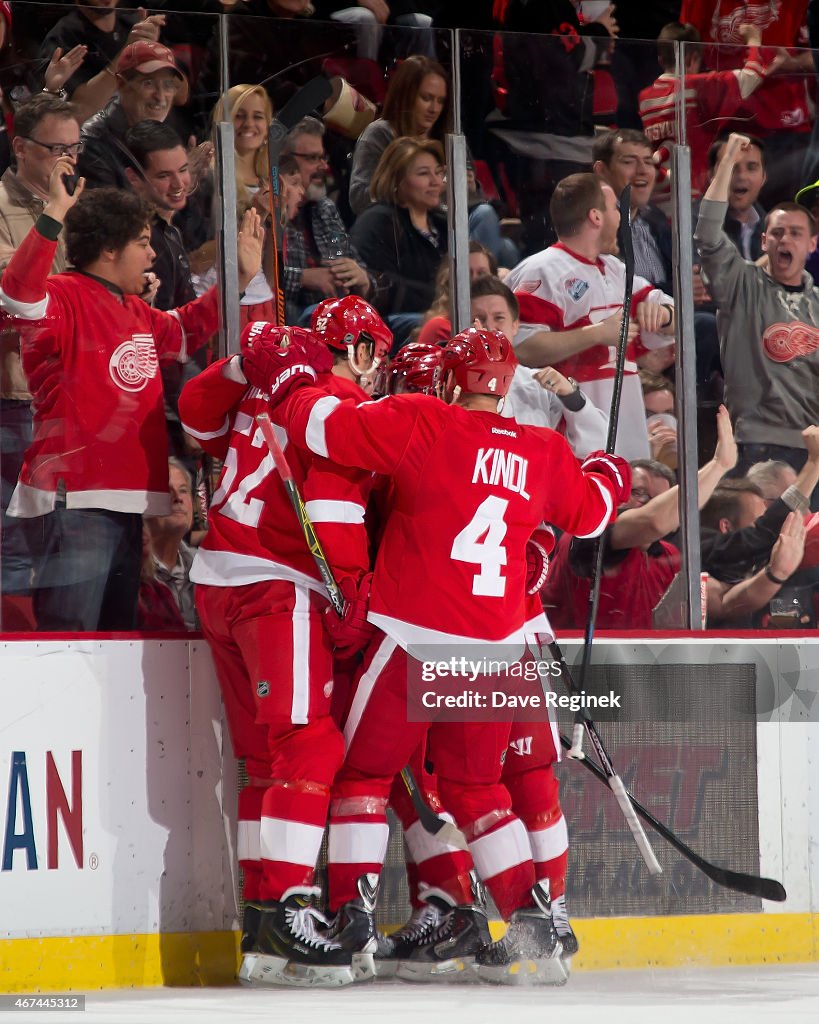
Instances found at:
x=447 y=951
x=292 y=947
x=530 y=952
x=564 y=930
x=353 y=928
x=250 y=927
x=399 y=945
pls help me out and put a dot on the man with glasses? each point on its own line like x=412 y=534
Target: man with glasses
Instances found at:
x=149 y=84
x=46 y=130
x=321 y=259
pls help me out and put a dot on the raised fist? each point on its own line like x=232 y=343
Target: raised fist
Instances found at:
x=351 y=632
x=615 y=469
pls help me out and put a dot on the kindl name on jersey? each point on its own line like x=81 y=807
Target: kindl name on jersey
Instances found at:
x=498 y=468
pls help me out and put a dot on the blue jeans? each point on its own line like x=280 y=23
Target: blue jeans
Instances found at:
x=15 y=437
x=86 y=569
x=484 y=227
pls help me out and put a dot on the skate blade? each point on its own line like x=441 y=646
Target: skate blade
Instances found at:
x=259 y=969
x=385 y=969
x=524 y=972
x=457 y=971
x=363 y=966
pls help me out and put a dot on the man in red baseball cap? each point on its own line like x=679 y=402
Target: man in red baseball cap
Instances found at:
x=149 y=84
x=151 y=61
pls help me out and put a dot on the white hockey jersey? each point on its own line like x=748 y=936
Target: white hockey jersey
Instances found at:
x=559 y=290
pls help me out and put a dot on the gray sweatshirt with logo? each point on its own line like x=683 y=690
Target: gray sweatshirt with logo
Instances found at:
x=769 y=340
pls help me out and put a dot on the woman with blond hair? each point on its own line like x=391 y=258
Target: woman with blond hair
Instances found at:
x=417 y=104
x=403 y=235
x=251 y=111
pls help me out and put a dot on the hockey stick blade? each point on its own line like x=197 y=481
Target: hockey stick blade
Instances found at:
x=433 y=823
x=739 y=881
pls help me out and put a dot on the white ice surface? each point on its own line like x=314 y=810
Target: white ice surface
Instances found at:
x=692 y=996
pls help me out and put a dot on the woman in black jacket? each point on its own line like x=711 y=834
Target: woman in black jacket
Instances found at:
x=402 y=238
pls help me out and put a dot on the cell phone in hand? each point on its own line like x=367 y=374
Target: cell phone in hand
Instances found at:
x=70 y=182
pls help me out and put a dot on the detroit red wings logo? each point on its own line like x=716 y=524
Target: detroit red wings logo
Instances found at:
x=725 y=29
x=785 y=341
x=134 y=363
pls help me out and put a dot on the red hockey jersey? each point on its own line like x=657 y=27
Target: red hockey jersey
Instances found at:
x=468 y=489
x=253 y=534
x=91 y=357
x=718 y=21
x=711 y=102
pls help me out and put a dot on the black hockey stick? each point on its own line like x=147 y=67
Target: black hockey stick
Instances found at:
x=751 y=885
x=305 y=101
x=626 y=242
x=432 y=823
x=612 y=779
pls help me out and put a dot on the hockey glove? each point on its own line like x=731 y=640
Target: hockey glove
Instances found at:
x=351 y=633
x=615 y=469
x=538 y=548
x=278 y=359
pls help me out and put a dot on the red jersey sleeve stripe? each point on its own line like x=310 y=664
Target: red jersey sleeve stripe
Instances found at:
x=534 y=310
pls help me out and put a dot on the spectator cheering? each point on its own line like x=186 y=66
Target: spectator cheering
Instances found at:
x=766 y=322
x=90 y=350
x=98 y=33
x=571 y=297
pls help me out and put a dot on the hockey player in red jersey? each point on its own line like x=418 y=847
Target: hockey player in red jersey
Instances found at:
x=261 y=604
x=438 y=873
x=451 y=569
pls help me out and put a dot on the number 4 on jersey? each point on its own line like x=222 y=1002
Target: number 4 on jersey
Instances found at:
x=481 y=543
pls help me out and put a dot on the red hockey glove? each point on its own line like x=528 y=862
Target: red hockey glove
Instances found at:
x=538 y=548
x=351 y=633
x=277 y=359
x=615 y=469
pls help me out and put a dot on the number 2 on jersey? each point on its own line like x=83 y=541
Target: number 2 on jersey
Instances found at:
x=481 y=542
x=238 y=505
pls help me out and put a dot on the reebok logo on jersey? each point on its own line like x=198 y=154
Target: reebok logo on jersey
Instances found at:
x=576 y=287
x=506 y=433
x=134 y=363
x=783 y=342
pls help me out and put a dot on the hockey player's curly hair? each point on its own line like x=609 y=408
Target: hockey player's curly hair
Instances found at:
x=103 y=218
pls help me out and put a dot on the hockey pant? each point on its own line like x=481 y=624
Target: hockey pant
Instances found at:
x=380 y=737
x=528 y=774
x=274 y=665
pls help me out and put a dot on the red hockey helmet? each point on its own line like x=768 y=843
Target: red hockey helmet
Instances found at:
x=416 y=367
x=348 y=320
x=482 y=362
